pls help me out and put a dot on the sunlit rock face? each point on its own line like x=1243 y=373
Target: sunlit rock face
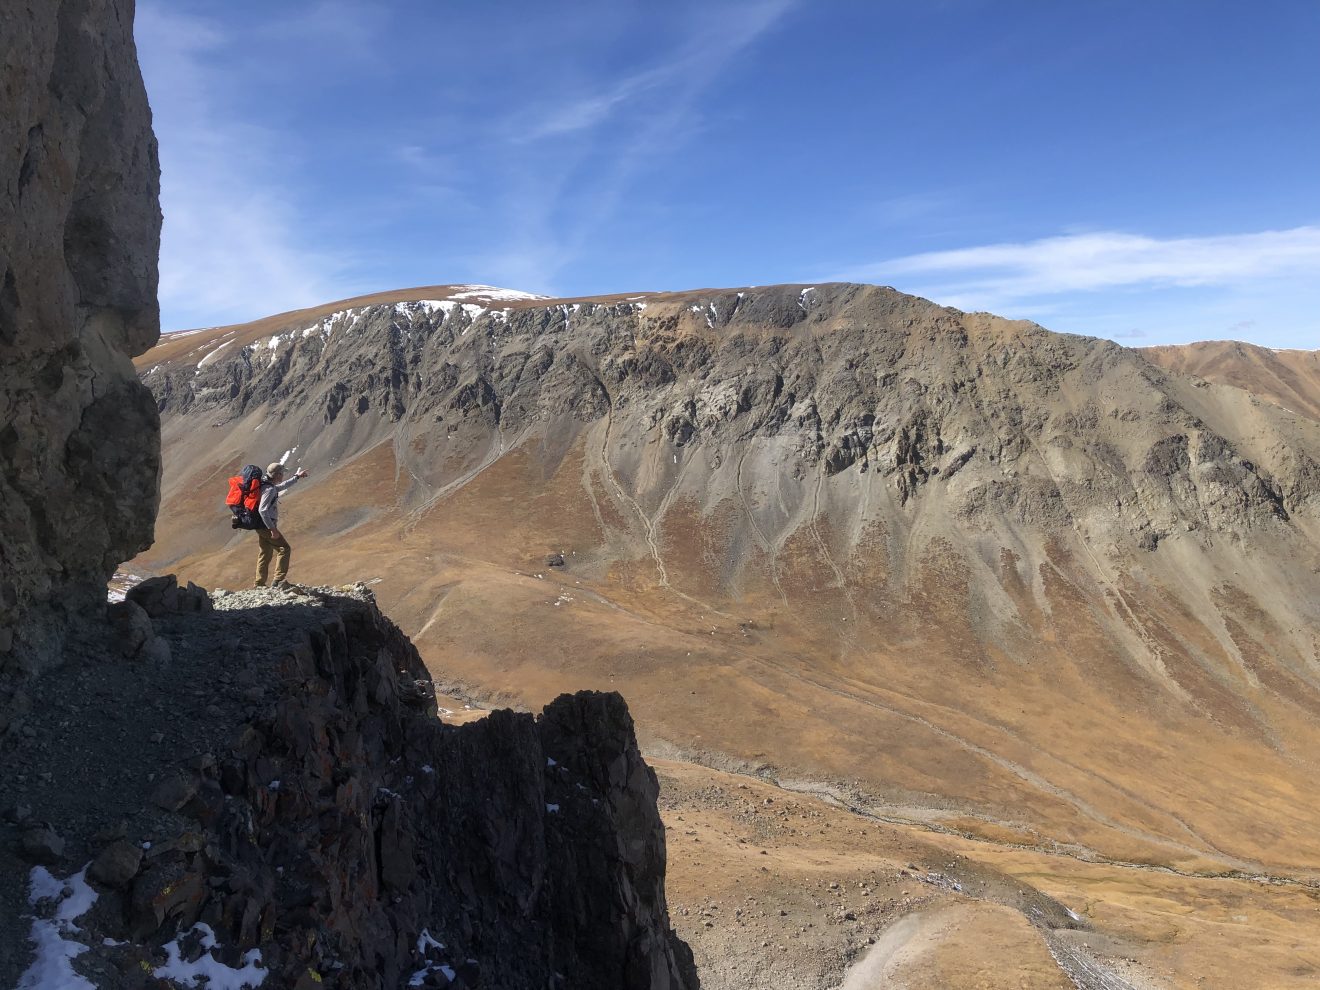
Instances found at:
x=79 y=241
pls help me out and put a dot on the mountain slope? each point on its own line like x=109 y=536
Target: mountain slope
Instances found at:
x=991 y=578
x=1286 y=378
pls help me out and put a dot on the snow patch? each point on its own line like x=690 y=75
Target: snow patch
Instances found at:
x=52 y=968
x=552 y=808
x=493 y=292
x=427 y=306
x=211 y=355
x=427 y=941
x=206 y=967
x=419 y=977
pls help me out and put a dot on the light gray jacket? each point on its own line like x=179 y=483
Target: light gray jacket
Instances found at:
x=269 y=507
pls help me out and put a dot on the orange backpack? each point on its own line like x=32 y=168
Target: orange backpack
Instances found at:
x=245 y=498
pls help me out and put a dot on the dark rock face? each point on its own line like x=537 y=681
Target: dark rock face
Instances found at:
x=79 y=238
x=340 y=829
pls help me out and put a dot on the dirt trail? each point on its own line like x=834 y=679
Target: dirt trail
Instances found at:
x=874 y=970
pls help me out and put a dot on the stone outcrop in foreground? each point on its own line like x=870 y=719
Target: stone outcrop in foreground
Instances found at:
x=79 y=238
x=305 y=802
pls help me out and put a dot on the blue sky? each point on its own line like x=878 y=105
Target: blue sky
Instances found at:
x=1147 y=171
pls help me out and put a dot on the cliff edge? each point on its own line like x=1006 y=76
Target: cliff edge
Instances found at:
x=279 y=799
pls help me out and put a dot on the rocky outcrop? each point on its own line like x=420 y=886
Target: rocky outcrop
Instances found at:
x=315 y=812
x=79 y=237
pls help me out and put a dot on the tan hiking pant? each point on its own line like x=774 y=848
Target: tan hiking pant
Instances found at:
x=272 y=547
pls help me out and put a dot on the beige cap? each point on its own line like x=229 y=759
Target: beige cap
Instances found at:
x=275 y=467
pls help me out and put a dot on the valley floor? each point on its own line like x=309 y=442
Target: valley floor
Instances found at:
x=773 y=888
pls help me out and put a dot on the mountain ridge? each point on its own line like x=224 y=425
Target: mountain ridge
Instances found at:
x=954 y=571
x=935 y=478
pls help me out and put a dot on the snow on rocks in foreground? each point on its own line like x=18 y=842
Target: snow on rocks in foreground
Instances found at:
x=206 y=967
x=52 y=969
x=63 y=902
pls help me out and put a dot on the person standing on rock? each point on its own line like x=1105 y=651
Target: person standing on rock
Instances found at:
x=273 y=543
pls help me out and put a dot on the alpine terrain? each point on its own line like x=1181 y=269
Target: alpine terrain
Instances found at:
x=972 y=654
x=250 y=789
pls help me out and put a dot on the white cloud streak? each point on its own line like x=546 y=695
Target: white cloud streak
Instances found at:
x=1007 y=273
x=622 y=122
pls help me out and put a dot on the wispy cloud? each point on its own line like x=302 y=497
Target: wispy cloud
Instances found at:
x=582 y=113
x=1009 y=273
x=611 y=130
x=676 y=77
x=235 y=244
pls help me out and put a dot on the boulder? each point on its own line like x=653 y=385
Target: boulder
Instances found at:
x=156 y=595
x=117 y=863
x=41 y=844
x=131 y=627
x=174 y=791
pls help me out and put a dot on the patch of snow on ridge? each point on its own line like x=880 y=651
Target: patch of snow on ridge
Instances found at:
x=427 y=306
x=206 y=967
x=52 y=968
x=211 y=355
x=494 y=292
x=322 y=326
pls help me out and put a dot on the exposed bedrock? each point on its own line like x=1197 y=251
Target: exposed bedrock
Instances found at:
x=308 y=805
x=79 y=238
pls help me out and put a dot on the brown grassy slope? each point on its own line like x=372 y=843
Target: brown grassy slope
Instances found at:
x=1068 y=741
x=1287 y=378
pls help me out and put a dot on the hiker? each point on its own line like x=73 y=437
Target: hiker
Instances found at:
x=272 y=540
